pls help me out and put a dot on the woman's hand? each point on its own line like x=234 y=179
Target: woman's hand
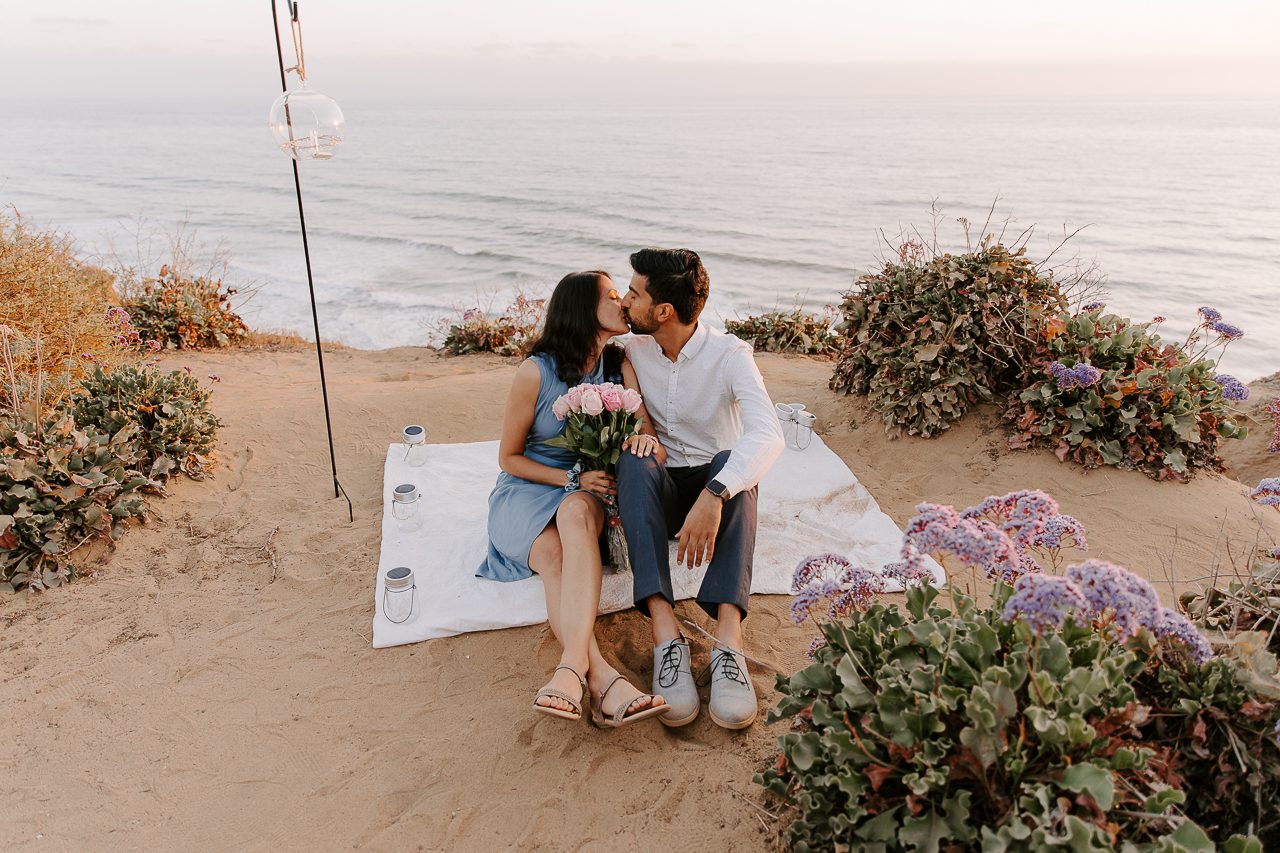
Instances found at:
x=598 y=483
x=641 y=445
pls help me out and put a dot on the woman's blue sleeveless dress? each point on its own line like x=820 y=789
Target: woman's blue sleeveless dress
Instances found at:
x=519 y=510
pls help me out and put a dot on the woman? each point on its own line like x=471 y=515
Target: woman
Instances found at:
x=538 y=521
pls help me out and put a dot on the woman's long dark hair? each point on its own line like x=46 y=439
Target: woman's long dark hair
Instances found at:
x=570 y=329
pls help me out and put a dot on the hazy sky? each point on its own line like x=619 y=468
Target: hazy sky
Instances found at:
x=402 y=48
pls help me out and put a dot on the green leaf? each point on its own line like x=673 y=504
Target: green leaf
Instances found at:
x=814 y=677
x=1161 y=800
x=1097 y=781
x=1192 y=838
x=854 y=695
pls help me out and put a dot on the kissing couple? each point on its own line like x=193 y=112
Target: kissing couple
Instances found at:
x=707 y=436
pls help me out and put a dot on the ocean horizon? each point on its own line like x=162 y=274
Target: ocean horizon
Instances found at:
x=438 y=205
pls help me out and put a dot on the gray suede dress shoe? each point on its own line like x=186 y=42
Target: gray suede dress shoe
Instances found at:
x=673 y=681
x=733 y=698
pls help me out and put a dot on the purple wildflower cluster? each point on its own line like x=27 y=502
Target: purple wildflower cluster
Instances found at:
x=1174 y=625
x=1226 y=331
x=123 y=334
x=1115 y=591
x=1058 y=529
x=121 y=326
x=1159 y=318
x=1044 y=601
x=1032 y=519
x=1268 y=492
x=1102 y=592
x=1211 y=319
x=1273 y=409
x=1232 y=388
x=1080 y=376
x=994 y=536
x=814 y=644
x=832 y=579
x=906 y=572
x=1094 y=306
x=975 y=541
x=805 y=600
x=860 y=587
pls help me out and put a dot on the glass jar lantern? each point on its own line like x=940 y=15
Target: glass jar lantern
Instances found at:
x=804 y=429
x=797 y=424
x=406 y=507
x=306 y=124
x=398 y=594
x=415 y=436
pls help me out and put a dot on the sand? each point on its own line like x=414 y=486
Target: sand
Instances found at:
x=213 y=686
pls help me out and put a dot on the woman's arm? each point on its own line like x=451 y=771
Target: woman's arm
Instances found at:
x=629 y=380
x=521 y=403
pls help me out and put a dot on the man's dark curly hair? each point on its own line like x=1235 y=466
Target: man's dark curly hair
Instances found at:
x=677 y=277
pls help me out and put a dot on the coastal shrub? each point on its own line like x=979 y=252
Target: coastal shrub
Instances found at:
x=507 y=334
x=928 y=336
x=166 y=414
x=1102 y=390
x=55 y=320
x=787 y=331
x=1073 y=710
x=184 y=312
x=62 y=486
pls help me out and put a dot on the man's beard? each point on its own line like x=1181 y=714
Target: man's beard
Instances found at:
x=638 y=327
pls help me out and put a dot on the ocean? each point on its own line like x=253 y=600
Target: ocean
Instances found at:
x=435 y=206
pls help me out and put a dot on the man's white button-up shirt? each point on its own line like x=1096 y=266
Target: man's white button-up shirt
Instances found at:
x=711 y=398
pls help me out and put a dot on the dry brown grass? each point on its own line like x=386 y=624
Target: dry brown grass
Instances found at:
x=53 y=312
x=280 y=341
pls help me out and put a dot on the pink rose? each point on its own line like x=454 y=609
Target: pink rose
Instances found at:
x=574 y=398
x=612 y=397
x=591 y=402
x=560 y=408
x=631 y=400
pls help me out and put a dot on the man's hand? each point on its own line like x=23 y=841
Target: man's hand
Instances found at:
x=698 y=535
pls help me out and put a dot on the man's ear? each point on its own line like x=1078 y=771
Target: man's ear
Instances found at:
x=663 y=312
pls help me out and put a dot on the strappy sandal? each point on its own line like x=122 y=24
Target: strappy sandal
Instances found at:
x=574 y=704
x=620 y=717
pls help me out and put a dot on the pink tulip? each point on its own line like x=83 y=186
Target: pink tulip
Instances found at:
x=591 y=402
x=631 y=400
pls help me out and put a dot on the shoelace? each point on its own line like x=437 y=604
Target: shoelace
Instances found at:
x=669 y=666
x=729 y=667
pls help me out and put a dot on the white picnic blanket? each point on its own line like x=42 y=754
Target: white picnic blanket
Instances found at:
x=810 y=503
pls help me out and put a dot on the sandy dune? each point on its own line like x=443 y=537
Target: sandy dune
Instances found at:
x=194 y=694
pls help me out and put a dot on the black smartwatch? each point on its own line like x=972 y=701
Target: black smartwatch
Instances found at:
x=718 y=489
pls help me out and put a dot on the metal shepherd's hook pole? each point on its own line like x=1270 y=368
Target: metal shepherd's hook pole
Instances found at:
x=306 y=252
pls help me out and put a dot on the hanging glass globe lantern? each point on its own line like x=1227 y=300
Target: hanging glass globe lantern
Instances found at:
x=306 y=124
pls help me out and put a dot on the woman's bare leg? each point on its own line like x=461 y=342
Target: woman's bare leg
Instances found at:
x=573 y=598
x=545 y=559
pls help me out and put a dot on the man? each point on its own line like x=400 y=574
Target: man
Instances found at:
x=713 y=415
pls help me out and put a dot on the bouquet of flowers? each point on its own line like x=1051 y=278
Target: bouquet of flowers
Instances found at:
x=599 y=418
